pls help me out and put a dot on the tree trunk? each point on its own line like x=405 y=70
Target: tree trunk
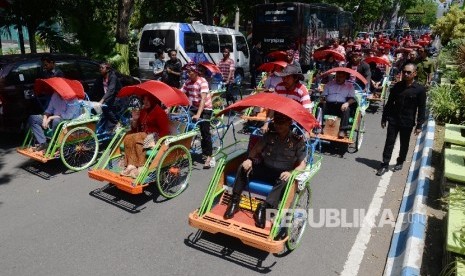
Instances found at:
x=32 y=38
x=125 y=9
x=208 y=8
x=21 y=38
x=1 y=48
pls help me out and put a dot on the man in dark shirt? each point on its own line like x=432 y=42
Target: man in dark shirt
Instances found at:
x=356 y=63
x=49 y=68
x=173 y=69
x=107 y=87
x=406 y=102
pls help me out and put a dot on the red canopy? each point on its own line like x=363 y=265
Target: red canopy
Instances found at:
x=168 y=95
x=211 y=67
x=286 y=106
x=348 y=70
x=272 y=66
x=67 y=89
x=322 y=54
x=278 y=55
x=378 y=60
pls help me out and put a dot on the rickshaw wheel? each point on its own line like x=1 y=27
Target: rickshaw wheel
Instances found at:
x=299 y=218
x=360 y=132
x=174 y=171
x=79 y=148
x=218 y=105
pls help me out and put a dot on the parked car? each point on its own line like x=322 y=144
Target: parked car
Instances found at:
x=17 y=76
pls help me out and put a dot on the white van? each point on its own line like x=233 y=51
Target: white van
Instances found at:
x=194 y=42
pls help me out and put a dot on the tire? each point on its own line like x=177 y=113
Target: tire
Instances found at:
x=174 y=171
x=359 y=133
x=299 y=221
x=79 y=148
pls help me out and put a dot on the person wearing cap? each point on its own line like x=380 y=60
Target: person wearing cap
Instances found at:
x=227 y=68
x=198 y=92
x=356 y=63
x=272 y=159
x=338 y=95
x=291 y=87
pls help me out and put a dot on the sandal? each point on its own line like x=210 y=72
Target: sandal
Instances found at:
x=127 y=171
x=134 y=173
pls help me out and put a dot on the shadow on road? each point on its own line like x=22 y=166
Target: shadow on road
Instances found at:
x=8 y=144
x=128 y=202
x=235 y=251
x=374 y=164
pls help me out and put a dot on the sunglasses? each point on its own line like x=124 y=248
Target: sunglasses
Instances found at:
x=407 y=72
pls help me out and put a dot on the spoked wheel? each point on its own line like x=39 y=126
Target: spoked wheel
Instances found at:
x=174 y=171
x=218 y=105
x=217 y=143
x=299 y=218
x=358 y=135
x=79 y=148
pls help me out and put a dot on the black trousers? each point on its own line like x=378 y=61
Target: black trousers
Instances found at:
x=109 y=117
x=263 y=173
x=392 y=131
x=206 y=142
x=335 y=110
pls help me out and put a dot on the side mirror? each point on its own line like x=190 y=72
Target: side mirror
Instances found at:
x=151 y=63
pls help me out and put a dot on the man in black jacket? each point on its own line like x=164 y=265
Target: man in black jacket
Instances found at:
x=356 y=63
x=107 y=86
x=406 y=102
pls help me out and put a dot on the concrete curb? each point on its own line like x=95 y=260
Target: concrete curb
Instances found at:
x=408 y=240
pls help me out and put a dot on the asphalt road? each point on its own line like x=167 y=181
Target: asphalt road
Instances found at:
x=60 y=227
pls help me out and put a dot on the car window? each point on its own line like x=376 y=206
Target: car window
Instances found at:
x=192 y=43
x=211 y=44
x=24 y=73
x=225 y=41
x=89 y=70
x=241 y=45
x=152 y=40
x=69 y=68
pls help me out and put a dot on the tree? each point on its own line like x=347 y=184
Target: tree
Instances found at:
x=125 y=9
x=422 y=14
x=451 y=25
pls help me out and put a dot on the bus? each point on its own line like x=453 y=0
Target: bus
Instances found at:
x=194 y=42
x=281 y=26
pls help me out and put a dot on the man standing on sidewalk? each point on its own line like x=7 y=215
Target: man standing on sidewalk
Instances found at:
x=227 y=68
x=406 y=102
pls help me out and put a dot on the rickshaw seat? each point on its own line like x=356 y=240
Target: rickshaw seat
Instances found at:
x=147 y=152
x=254 y=186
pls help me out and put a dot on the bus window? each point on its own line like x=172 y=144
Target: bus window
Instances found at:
x=152 y=40
x=241 y=45
x=192 y=43
x=226 y=41
x=210 y=42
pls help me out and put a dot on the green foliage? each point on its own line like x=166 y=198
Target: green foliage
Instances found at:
x=429 y=9
x=451 y=25
x=447 y=102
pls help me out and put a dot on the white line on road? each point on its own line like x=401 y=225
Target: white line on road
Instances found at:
x=355 y=257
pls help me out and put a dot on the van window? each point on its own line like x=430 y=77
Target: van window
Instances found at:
x=210 y=43
x=241 y=45
x=192 y=43
x=152 y=40
x=24 y=73
x=226 y=41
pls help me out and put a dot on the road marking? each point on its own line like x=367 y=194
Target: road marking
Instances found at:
x=355 y=257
